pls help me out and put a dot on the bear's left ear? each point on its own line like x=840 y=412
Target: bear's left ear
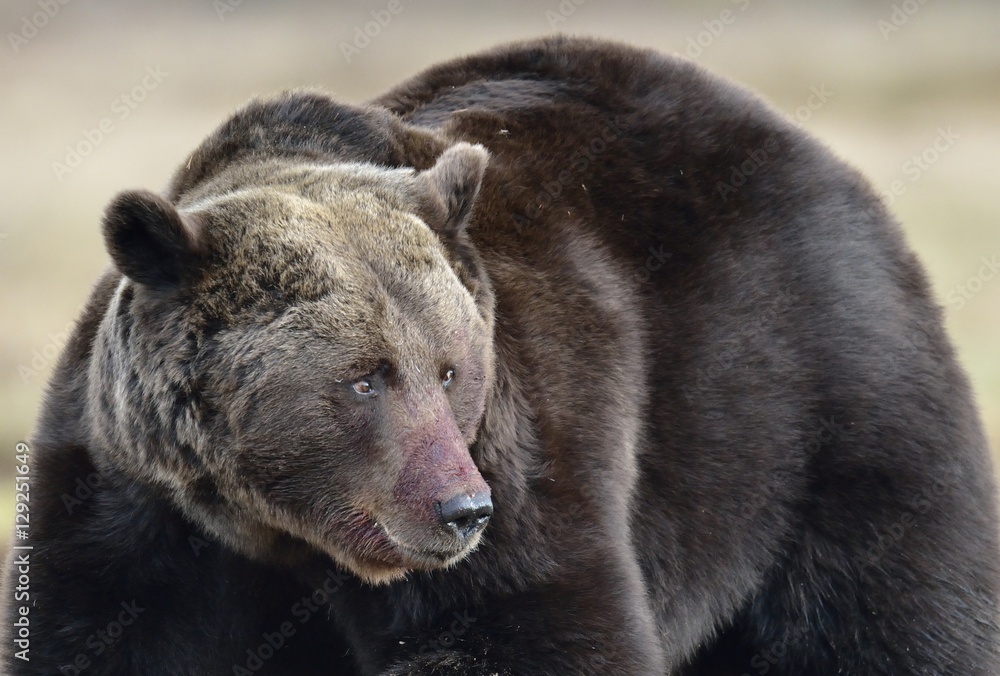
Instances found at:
x=448 y=190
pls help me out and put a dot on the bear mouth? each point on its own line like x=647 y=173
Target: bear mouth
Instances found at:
x=369 y=540
x=371 y=546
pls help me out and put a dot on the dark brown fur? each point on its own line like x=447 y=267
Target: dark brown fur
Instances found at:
x=721 y=425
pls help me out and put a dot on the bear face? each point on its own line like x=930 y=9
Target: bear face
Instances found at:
x=297 y=380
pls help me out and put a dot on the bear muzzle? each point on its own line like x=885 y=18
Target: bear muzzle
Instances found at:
x=440 y=501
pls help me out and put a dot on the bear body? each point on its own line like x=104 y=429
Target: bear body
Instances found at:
x=565 y=358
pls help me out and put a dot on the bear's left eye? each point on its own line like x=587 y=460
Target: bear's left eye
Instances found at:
x=447 y=377
x=364 y=387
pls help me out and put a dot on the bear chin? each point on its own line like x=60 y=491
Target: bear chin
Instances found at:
x=355 y=540
x=367 y=548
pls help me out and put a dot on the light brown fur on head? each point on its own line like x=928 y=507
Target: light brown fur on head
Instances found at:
x=224 y=364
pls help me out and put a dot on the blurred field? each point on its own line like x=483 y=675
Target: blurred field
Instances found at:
x=892 y=94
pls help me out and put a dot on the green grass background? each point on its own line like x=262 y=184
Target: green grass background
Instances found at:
x=891 y=94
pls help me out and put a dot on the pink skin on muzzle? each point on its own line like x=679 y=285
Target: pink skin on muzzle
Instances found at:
x=438 y=467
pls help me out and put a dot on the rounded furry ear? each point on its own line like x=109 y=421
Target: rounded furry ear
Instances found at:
x=448 y=190
x=149 y=240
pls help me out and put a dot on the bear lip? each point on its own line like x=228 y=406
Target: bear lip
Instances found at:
x=434 y=558
x=369 y=541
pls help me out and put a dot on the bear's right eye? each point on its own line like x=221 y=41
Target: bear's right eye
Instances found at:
x=364 y=387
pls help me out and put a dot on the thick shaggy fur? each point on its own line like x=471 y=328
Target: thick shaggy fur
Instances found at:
x=697 y=366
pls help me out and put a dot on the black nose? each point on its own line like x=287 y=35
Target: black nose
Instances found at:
x=464 y=515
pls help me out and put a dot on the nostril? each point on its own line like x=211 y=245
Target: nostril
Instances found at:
x=470 y=520
x=466 y=515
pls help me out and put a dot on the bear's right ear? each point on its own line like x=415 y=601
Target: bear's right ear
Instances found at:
x=149 y=240
x=450 y=187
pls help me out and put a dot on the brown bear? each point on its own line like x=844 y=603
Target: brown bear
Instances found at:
x=564 y=358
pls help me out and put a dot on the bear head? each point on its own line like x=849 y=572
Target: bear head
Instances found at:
x=298 y=357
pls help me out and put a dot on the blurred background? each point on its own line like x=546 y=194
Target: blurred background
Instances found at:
x=101 y=96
